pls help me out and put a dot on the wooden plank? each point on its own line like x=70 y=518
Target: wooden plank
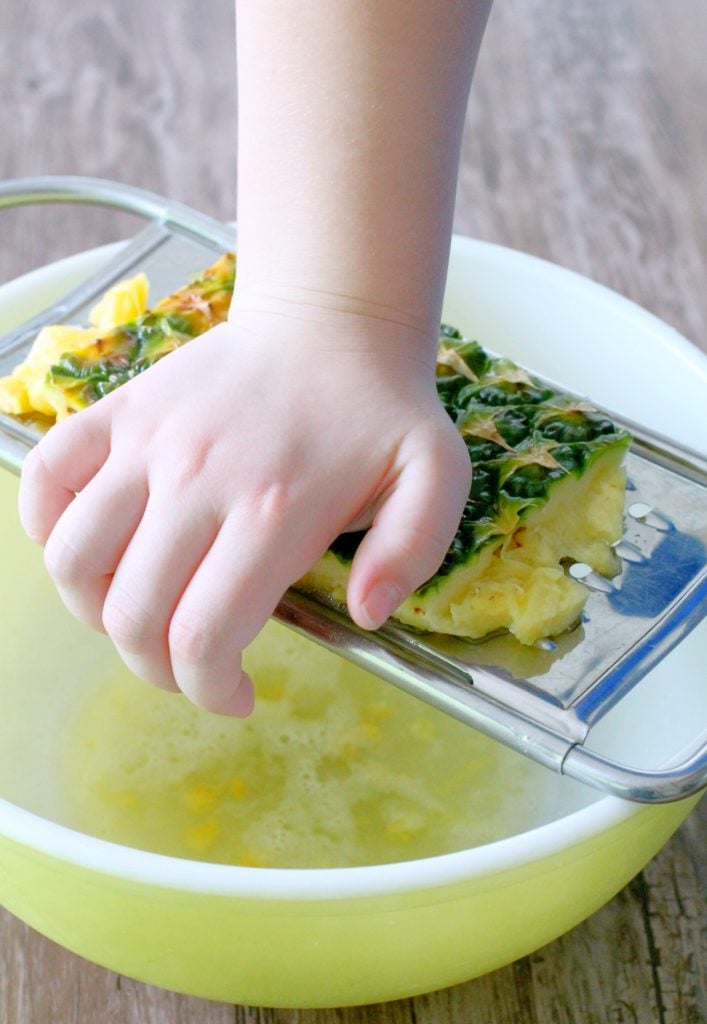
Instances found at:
x=586 y=145
x=672 y=892
x=41 y=983
x=116 y=91
x=400 y=1012
x=504 y=996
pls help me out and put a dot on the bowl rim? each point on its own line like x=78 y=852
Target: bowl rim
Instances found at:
x=84 y=851
x=533 y=846
x=570 y=281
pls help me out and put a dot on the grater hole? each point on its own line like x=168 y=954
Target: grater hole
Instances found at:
x=580 y=570
x=645 y=515
x=584 y=573
x=639 y=510
x=545 y=645
x=628 y=552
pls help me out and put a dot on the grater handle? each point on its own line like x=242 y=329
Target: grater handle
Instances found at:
x=62 y=188
x=673 y=782
x=166 y=219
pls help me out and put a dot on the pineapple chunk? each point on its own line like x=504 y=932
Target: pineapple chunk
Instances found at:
x=69 y=368
x=122 y=303
x=548 y=488
x=28 y=390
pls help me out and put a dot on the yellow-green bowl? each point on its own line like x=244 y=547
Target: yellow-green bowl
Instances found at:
x=323 y=937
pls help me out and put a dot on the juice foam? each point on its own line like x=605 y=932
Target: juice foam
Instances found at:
x=334 y=768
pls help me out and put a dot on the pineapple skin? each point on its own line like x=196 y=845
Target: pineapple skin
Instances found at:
x=548 y=487
x=83 y=376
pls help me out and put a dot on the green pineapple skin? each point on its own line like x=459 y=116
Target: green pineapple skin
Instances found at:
x=130 y=349
x=529 y=445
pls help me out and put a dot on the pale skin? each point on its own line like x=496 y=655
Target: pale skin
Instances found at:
x=176 y=511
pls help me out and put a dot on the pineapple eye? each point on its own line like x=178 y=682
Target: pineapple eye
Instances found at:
x=481 y=450
x=573 y=427
x=447 y=331
x=484 y=486
x=475 y=357
x=576 y=426
x=530 y=481
x=572 y=457
x=503 y=392
x=514 y=424
x=447 y=389
x=69 y=366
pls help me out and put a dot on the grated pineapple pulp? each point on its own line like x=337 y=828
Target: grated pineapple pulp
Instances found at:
x=30 y=388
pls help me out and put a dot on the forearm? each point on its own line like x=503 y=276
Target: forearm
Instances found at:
x=350 y=121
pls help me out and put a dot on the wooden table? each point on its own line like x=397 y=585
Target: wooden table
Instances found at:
x=586 y=144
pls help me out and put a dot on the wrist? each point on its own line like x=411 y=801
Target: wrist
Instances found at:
x=326 y=320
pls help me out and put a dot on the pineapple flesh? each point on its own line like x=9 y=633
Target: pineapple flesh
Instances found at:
x=548 y=480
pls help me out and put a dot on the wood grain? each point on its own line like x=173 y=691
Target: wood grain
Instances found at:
x=586 y=144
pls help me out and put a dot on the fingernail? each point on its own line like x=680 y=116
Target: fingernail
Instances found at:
x=246 y=692
x=381 y=602
x=244 y=698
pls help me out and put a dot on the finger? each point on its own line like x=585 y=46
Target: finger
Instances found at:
x=228 y=601
x=410 y=533
x=164 y=552
x=63 y=463
x=88 y=541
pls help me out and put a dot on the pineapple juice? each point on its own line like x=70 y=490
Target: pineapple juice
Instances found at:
x=334 y=768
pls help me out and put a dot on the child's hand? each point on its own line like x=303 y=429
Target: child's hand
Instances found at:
x=177 y=510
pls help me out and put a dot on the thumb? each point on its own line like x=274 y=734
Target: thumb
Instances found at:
x=411 y=531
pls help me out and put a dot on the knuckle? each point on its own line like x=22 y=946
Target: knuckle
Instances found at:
x=37 y=471
x=274 y=502
x=194 y=462
x=127 y=624
x=33 y=465
x=63 y=561
x=418 y=540
x=46 y=460
x=189 y=462
x=192 y=638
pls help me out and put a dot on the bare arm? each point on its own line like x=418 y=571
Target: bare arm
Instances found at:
x=350 y=121
x=178 y=509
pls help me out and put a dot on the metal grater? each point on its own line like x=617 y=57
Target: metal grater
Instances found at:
x=542 y=701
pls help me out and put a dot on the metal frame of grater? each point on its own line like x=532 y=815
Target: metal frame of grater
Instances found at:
x=542 y=701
